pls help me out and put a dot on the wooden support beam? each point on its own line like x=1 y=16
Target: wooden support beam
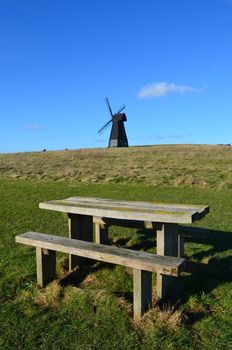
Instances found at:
x=101 y=234
x=180 y=246
x=142 y=292
x=45 y=266
x=81 y=228
x=167 y=244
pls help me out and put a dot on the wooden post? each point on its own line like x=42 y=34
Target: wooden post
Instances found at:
x=167 y=244
x=142 y=292
x=80 y=227
x=101 y=233
x=180 y=246
x=45 y=266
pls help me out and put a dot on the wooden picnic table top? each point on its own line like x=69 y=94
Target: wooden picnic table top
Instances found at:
x=128 y=210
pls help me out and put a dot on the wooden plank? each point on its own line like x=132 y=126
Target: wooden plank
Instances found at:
x=80 y=227
x=152 y=215
x=183 y=231
x=188 y=231
x=124 y=223
x=136 y=204
x=167 y=244
x=130 y=258
x=109 y=203
x=142 y=292
x=45 y=266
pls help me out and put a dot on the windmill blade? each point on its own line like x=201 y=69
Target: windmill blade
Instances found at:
x=101 y=130
x=121 y=109
x=105 y=128
x=108 y=104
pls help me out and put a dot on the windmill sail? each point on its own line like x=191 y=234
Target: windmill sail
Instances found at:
x=102 y=129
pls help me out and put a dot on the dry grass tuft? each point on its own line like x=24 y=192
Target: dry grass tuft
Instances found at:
x=189 y=180
x=99 y=294
x=70 y=293
x=49 y=297
x=125 y=305
x=63 y=267
x=168 y=317
x=90 y=280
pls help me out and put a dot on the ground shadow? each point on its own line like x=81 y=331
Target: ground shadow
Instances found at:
x=145 y=240
x=76 y=277
x=198 y=276
x=220 y=241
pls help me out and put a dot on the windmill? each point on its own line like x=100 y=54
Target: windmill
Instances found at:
x=118 y=136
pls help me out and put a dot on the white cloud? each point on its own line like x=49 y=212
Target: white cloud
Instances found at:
x=161 y=89
x=34 y=127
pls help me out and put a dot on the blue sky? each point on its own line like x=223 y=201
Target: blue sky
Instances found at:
x=169 y=61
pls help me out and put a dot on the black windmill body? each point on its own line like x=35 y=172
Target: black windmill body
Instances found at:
x=118 y=136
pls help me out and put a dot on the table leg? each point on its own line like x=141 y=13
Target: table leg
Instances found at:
x=80 y=227
x=142 y=292
x=101 y=233
x=167 y=244
x=180 y=246
x=45 y=266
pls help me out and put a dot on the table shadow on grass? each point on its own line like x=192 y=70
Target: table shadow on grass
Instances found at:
x=220 y=241
x=206 y=277
x=76 y=277
x=198 y=277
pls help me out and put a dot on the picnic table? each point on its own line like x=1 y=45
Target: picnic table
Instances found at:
x=84 y=213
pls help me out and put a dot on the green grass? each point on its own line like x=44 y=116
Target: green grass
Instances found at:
x=174 y=165
x=96 y=313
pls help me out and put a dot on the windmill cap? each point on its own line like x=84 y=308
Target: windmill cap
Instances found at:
x=120 y=117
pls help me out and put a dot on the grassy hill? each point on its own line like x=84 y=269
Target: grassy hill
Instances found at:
x=175 y=165
x=94 y=311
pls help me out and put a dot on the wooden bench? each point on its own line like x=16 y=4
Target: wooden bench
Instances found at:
x=163 y=218
x=142 y=263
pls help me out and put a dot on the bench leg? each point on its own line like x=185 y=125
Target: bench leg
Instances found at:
x=180 y=246
x=45 y=266
x=167 y=244
x=101 y=233
x=80 y=227
x=142 y=292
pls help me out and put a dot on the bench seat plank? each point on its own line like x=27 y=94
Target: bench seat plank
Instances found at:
x=166 y=265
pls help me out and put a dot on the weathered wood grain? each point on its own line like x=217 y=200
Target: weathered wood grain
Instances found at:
x=186 y=231
x=130 y=258
x=139 y=211
x=80 y=227
x=101 y=233
x=142 y=288
x=45 y=266
x=135 y=204
x=167 y=244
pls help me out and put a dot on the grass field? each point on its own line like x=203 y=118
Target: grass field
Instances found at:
x=94 y=310
x=188 y=165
